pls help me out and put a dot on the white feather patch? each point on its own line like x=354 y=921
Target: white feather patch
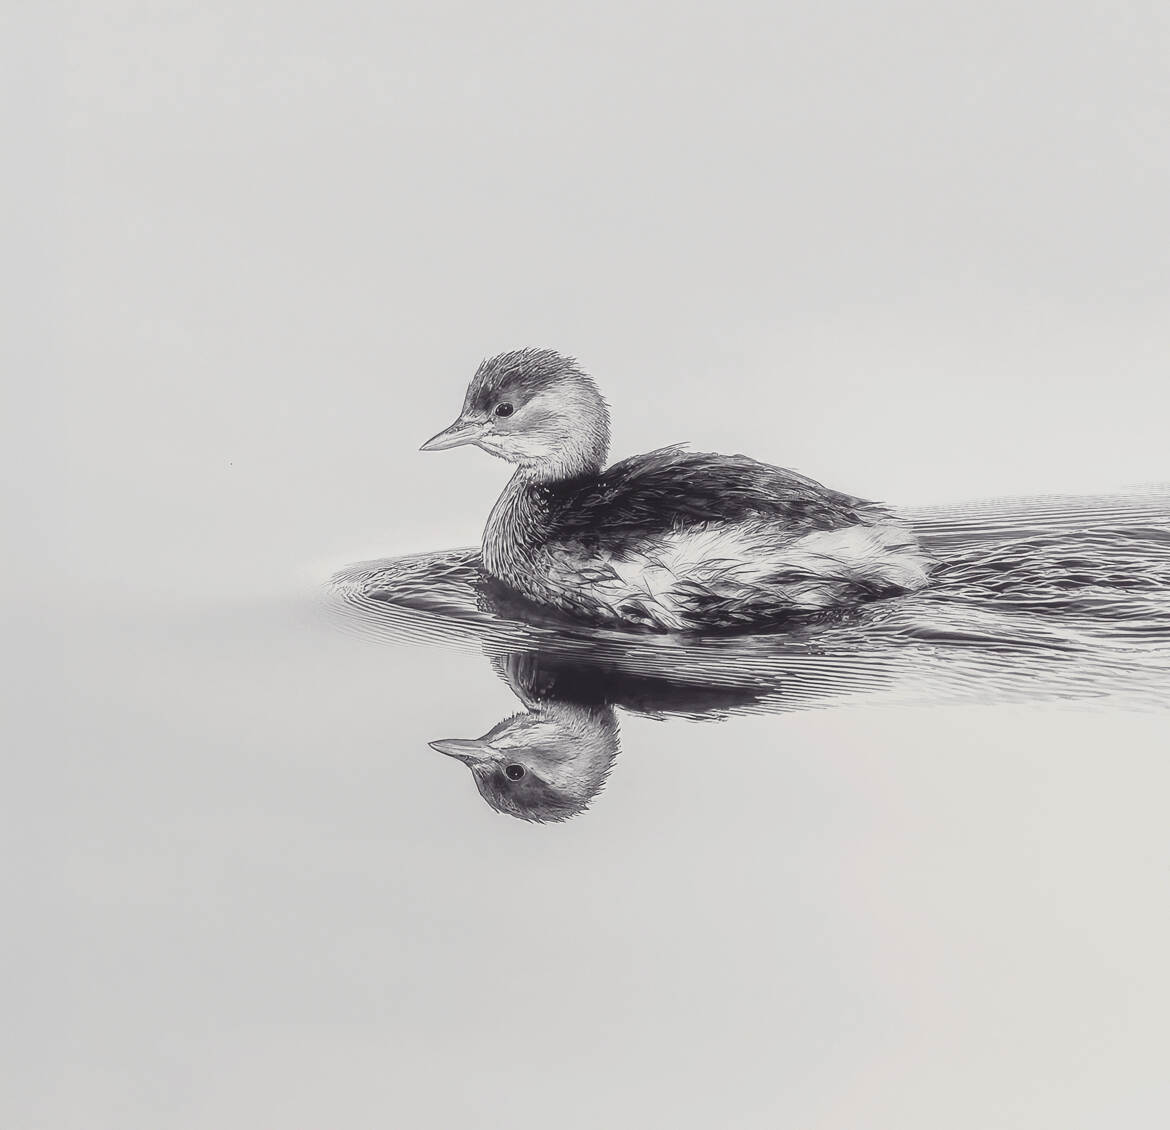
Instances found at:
x=752 y=559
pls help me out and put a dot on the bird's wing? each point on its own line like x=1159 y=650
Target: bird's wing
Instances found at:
x=671 y=489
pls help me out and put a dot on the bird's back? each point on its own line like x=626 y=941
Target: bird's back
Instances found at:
x=672 y=488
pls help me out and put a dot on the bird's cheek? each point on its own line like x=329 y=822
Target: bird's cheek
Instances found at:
x=496 y=444
x=517 y=446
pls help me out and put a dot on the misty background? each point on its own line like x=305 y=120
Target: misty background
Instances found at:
x=919 y=252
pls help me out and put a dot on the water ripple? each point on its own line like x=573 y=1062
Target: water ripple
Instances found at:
x=1034 y=599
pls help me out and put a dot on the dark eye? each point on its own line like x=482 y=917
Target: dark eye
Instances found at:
x=514 y=772
x=504 y=410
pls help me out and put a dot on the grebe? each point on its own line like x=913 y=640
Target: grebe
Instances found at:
x=672 y=541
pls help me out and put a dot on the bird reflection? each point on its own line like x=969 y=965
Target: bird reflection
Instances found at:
x=544 y=764
x=547 y=762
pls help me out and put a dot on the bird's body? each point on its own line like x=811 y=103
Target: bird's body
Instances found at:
x=676 y=540
x=672 y=540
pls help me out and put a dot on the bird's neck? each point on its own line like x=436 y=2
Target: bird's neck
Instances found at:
x=576 y=461
x=519 y=523
x=514 y=526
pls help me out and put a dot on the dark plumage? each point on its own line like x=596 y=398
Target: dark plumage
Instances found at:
x=670 y=540
x=673 y=487
x=518 y=377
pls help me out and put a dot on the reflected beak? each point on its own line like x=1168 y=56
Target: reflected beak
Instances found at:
x=461 y=432
x=466 y=750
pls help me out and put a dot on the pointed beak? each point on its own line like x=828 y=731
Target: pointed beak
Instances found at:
x=466 y=750
x=461 y=432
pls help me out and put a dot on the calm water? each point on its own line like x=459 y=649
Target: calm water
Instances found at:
x=907 y=872
x=253 y=894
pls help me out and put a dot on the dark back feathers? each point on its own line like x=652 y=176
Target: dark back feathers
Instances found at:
x=673 y=488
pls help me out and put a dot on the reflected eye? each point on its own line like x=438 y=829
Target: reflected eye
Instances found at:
x=514 y=772
x=504 y=410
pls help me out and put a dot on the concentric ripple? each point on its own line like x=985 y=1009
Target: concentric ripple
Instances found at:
x=1034 y=599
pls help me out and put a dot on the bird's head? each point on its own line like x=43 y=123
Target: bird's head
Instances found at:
x=534 y=407
x=542 y=765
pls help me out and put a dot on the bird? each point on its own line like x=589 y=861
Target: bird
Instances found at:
x=674 y=540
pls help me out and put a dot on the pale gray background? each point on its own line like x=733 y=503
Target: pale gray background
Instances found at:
x=919 y=251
